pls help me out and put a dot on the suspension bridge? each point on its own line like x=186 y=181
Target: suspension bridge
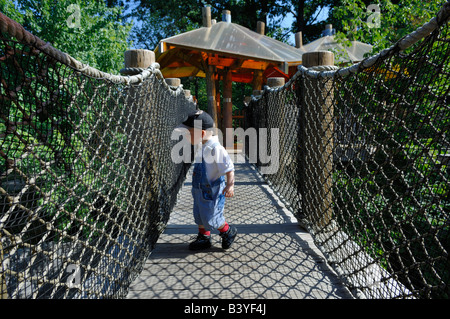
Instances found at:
x=272 y=258
x=92 y=205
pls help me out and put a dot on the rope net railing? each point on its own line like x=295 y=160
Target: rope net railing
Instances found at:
x=364 y=160
x=86 y=178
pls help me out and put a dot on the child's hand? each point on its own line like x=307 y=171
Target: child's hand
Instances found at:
x=229 y=191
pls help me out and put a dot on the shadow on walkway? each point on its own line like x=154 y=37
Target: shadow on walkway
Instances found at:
x=272 y=257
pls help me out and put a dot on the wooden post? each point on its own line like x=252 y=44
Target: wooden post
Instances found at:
x=258 y=74
x=211 y=92
x=257 y=80
x=317 y=58
x=206 y=15
x=173 y=81
x=317 y=142
x=210 y=72
x=260 y=27
x=298 y=40
x=138 y=113
x=139 y=58
x=3 y=290
x=218 y=105
x=275 y=82
x=227 y=108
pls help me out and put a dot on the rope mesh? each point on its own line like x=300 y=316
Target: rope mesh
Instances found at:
x=87 y=182
x=365 y=163
x=86 y=177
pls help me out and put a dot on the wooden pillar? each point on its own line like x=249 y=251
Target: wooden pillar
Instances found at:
x=317 y=58
x=298 y=40
x=258 y=74
x=173 y=82
x=260 y=27
x=276 y=145
x=257 y=80
x=227 y=108
x=317 y=142
x=138 y=58
x=218 y=105
x=3 y=290
x=275 y=82
x=138 y=112
x=210 y=72
x=211 y=92
x=206 y=15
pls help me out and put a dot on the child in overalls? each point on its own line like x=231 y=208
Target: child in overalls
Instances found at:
x=209 y=189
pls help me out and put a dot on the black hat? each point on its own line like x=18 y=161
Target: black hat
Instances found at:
x=194 y=118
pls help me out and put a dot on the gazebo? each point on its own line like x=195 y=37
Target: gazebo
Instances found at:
x=229 y=52
x=343 y=54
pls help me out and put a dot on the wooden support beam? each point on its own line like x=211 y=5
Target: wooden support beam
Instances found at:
x=317 y=58
x=227 y=108
x=3 y=288
x=180 y=72
x=191 y=58
x=166 y=58
x=211 y=92
x=219 y=61
x=260 y=27
x=206 y=17
x=298 y=40
x=218 y=105
x=255 y=65
x=317 y=143
x=139 y=58
x=173 y=81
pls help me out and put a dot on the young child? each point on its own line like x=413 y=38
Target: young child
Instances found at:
x=212 y=163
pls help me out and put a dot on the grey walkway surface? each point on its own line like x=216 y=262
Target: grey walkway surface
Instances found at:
x=271 y=258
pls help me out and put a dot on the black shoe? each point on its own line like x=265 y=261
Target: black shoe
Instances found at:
x=228 y=237
x=201 y=242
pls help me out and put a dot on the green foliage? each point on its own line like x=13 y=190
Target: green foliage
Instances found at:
x=98 y=38
x=354 y=21
x=163 y=19
x=56 y=138
x=8 y=8
x=309 y=17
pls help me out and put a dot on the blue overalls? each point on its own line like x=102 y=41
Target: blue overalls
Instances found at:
x=208 y=198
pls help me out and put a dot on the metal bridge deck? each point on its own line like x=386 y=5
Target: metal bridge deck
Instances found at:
x=272 y=256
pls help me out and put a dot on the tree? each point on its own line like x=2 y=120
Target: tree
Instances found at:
x=87 y=30
x=307 y=16
x=382 y=23
x=161 y=19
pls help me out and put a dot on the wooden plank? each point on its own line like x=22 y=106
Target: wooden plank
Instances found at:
x=254 y=65
x=218 y=61
x=179 y=72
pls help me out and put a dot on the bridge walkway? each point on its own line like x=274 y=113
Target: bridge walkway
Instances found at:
x=272 y=257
